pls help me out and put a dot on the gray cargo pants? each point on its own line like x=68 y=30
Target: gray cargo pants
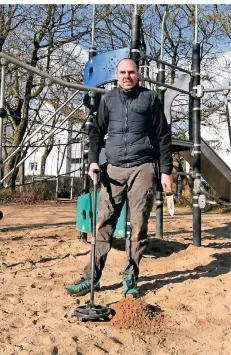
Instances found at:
x=138 y=184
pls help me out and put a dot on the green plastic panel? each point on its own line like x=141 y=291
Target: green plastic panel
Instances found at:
x=84 y=216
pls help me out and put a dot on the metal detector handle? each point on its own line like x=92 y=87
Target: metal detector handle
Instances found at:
x=95 y=183
x=95 y=176
x=93 y=240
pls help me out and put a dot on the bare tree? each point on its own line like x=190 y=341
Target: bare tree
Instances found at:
x=38 y=35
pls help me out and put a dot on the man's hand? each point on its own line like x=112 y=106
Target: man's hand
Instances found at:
x=166 y=182
x=92 y=167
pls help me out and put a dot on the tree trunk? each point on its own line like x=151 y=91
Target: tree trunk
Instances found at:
x=44 y=157
x=21 y=176
x=18 y=136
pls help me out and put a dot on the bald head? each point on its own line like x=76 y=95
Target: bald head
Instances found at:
x=127 y=74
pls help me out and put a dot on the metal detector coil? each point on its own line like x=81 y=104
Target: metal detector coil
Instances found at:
x=95 y=312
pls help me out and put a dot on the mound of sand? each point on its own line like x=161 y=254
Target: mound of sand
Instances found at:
x=136 y=314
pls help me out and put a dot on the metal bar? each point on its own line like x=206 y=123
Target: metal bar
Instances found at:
x=92 y=49
x=2 y=103
x=135 y=39
x=57 y=165
x=114 y=84
x=162 y=35
x=72 y=185
x=2 y=93
x=228 y=119
x=179 y=187
x=166 y=63
x=159 y=215
x=93 y=240
x=135 y=55
x=39 y=128
x=196 y=24
x=52 y=132
x=190 y=111
x=158 y=83
x=222 y=88
x=93 y=27
x=51 y=77
x=57 y=189
x=196 y=117
x=84 y=157
x=85 y=177
x=69 y=148
x=159 y=188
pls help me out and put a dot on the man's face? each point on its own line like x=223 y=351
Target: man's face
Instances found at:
x=127 y=74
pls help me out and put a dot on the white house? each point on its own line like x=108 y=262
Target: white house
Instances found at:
x=63 y=158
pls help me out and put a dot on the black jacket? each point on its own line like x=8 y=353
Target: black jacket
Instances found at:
x=136 y=134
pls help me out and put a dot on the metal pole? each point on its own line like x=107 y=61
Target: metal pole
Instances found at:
x=179 y=187
x=135 y=55
x=196 y=24
x=3 y=112
x=159 y=189
x=221 y=88
x=196 y=147
x=92 y=49
x=72 y=185
x=135 y=38
x=162 y=35
x=86 y=182
x=93 y=27
x=190 y=111
x=57 y=188
x=69 y=147
x=85 y=177
x=82 y=158
x=57 y=166
x=114 y=84
x=93 y=241
x=228 y=118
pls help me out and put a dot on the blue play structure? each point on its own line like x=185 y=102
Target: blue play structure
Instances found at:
x=101 y=69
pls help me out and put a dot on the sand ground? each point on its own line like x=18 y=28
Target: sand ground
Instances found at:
x=189 y=287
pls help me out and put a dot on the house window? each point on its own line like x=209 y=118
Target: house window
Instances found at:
x=33 y=166
x=222 y=117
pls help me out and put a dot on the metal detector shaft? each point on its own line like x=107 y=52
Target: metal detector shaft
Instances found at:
x=93 y=241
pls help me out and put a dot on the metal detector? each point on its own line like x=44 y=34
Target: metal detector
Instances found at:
x=90 y=311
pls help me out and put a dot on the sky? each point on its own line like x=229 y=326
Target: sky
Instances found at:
x=117 y=2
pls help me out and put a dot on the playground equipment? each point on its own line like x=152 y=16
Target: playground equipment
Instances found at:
x=194 y=149
x=101 y=69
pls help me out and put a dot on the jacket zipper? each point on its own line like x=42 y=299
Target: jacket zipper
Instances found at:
x=126 y=129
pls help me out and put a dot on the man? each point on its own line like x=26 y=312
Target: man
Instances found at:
x=137 y=139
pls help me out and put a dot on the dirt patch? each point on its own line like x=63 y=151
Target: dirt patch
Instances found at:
x=189 y=287
x=136 y=314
